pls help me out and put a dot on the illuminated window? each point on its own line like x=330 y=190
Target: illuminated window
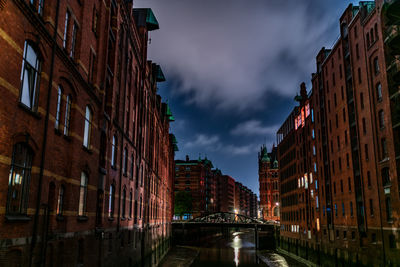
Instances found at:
x=30 y=77
x=82 y=194
x=60 y=201
x=67 y=115
x=58 y=110
x=18 y=185
x=111 y=200
x=88 y=127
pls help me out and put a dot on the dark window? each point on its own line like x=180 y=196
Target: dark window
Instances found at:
x=392 y=241
x=388 y=209
x=19 y=179
x=384 y=148
x=351 y=211
x=73 y=42
x=66 y=26
x=379 y=91
x=376 y=65
x=114 y=152
x=381 y=115
x=362 y=100
x=371 y=207
x=385 y=176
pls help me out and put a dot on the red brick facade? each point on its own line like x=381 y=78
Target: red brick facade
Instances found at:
x=338 y=169
x=84 y=137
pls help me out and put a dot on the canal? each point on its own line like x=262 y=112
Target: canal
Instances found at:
x=237 y=249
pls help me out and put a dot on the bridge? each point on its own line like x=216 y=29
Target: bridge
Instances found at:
x=264 y=232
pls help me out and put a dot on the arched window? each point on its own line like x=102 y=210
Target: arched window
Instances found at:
x=123 y=202
x=60 y=200
x=18 y=183
x=379 y=91
x=125 y=161
x=114 y=151
x=82 y=194
x=30 y=77
x=111 y=200
x=58 y=109
x=67 y=115
x=88 y=127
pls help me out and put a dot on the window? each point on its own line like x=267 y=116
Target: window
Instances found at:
x=65 y=39
x=362 y=100
x=379 y=91
x=351 y=209
x=130 y=204
x=381 y=115
x=67 y=115
x=376 y=65
x=336 y=210
x=92 y=61
x=30 y=77
x=344 y=114
x=123 y=202
x=392 y=241
x=82 y=194
x=132 y=165
x=60 y=200
x=369 y=178
x=114 y=152
x=347 y=160
x=73 y=44
x=111 y=200
x=349 y=183
x=341 y=186
x=343 y=210
x=385 y=176
x=88 y=127
x=18 y=183
x=357 y=51
x=371 y=207
x=388 y=209
x=125 y=161
x=58 y=110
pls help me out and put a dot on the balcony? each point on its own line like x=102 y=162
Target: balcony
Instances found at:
x=393 y=39
x=392 y=9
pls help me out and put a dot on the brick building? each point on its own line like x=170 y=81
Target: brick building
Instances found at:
x=87 y=148
x=338 y=160
x=226 y=194
x=269 y=184
x=212 y=191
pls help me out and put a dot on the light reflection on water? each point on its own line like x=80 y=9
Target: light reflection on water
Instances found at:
x=236 y=249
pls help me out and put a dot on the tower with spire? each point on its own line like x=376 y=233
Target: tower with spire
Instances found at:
x=268 y=183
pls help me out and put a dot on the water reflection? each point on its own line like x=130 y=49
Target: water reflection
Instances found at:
x=234 y=250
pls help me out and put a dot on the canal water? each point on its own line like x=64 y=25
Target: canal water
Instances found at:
x=237 y=249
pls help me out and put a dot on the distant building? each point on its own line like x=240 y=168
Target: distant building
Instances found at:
x=269 y=184
x=212 y=191
x=226 y=193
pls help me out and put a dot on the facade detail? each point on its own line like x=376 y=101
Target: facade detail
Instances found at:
x=86 y=156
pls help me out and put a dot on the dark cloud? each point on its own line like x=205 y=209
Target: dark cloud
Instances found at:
x=233 y=67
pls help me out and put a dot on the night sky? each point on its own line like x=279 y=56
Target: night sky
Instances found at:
x=233 y=68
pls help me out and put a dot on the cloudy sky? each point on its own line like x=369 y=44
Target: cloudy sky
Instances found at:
x=233 y=68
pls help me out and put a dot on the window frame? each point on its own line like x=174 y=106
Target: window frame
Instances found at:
x=33 y=86
x=83 y=194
